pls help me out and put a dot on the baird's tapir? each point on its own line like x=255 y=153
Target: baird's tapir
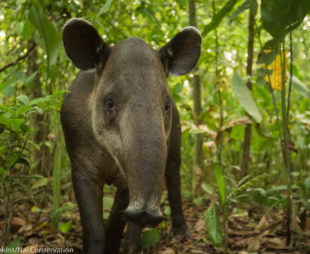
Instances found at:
x=122 y=127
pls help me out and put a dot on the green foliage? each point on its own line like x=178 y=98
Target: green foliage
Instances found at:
x=213 y=225
x=279 y=17
x=149 y=238
x=107 y=205
x=48 y=39
x=247 y=4
x=56 y=186
x=304 y=194
x=105 y=8
x=245 y=186
x=13 y=247
x=269 y=197
x=301 y=87
x=27 y=92
x=64 y=226
x=221 y=185
x=15 y=128
x=244 y=97
x=219 y=16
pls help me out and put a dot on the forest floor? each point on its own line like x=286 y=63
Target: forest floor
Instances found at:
x=251 y=230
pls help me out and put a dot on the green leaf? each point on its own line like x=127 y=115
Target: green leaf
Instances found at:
x=23 y=161
x=30 y=79
x=150 y=238
x=64 y=226
x=207 y=188
x=282 y=16
x=241 y=9
x=40 y=183
x=150 y=13
x=244 y=97
x=36 y=209
x=217 y=18
x=6 y=109
x=24 y=99
x=19 y=27
x=2 y=172
x=16 y=124
x=213 y=225
x=307 y=184
x=248 y=4
x=271 y=19
x=108 y=202
x=13 y=247
x=13 y=160
x=167 y=211
x=220 y=182
x=106 y=7
x=5 y=121
x=23 y=109
x=301 y=87
x=268 y=54
x=297 y=12
x=47 y=32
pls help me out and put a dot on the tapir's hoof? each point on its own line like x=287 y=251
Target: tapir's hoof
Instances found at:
x=180 y=233
x=143 y=217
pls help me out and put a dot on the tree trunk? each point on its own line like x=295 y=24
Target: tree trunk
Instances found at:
x=198 y=157
x=248 y=130
x=40 y=122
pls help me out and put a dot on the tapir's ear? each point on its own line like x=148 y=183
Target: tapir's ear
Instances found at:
x=84 y=45
x=182 y=52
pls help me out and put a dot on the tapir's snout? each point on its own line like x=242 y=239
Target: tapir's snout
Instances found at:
x=143 y=132
x=143 y=216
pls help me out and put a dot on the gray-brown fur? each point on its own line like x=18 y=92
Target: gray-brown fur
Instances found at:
x=122 y=127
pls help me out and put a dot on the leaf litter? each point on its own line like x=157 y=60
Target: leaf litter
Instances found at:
x=251 y=231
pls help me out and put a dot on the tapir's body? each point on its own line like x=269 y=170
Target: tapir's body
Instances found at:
x=122 y=127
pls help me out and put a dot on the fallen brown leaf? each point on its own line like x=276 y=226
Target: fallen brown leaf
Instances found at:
x=16 y=224
x=277 y=243
x=251 y=243
x=200 y=225
x=26 y=228
x=254 y=243
x=168 y=251
x=263 y=223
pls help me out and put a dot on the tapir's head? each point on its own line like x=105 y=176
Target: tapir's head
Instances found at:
x=131 y=104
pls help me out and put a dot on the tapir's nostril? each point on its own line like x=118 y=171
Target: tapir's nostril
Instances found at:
x=143 y=217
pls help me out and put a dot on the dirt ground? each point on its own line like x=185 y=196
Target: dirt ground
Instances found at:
x=251 y=230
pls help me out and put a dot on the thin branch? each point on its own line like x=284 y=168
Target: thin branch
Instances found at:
x=19 y=58
x=291 y=77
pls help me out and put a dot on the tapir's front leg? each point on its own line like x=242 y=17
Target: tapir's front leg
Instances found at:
x=174 y=195
x=116 y=222
x=89 y=197
x=179 y=227
x=132 y=238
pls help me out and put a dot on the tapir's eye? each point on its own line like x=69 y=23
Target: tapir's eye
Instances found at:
x=167 y=105
x=110 y=104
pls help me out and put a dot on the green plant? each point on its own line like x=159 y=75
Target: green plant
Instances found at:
x=15 y=153
x=149 y=238
x=212 y=214
x=287 y=21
